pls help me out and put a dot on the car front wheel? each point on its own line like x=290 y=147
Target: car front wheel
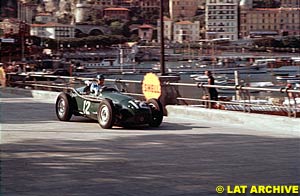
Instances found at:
x=157 y=112
x=105 y=114
x=64 y=107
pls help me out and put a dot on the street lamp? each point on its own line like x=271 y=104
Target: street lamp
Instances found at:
x=162 y=42
x=22 y=32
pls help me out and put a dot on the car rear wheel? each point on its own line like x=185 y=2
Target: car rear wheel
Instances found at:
x=157 y=112
x=105 y=114
x=64 y=109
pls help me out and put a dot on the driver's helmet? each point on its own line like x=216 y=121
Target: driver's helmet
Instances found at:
x=100 y=77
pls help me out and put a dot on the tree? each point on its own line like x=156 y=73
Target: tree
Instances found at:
x=116 y=28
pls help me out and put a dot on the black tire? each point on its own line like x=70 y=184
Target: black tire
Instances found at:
x=106 y=114
x=157 y=112
x=64 y=108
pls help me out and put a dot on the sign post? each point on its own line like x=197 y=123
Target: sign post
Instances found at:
x=156 y=87
x=151 y=86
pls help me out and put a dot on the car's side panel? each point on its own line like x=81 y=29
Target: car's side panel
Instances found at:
x=86 y=107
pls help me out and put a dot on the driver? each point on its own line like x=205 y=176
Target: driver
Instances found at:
x=95 y=87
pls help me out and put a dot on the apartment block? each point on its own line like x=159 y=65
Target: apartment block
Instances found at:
x=221 y=17
x=26 y=12
x=52 y=30
x=186 y=31
x=182 y=9
x=116 y=13
x=148 y=5
x=168 y=29
x=258 y=22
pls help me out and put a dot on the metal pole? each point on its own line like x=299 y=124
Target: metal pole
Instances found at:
x=237 y=82
x=162 y=43
x=22 y=31
x=23 y=47
x=121 y=59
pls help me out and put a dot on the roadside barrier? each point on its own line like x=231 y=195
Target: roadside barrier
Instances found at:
x=58 y=83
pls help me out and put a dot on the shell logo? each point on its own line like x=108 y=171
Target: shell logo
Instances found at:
x=151 y=86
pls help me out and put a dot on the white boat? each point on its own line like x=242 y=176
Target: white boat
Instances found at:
x=290 y=78
x=285 y=70
x=288 y=101
x=261 y=84
x=122 y=60
x=103 y=63
x=219 y=79
x=219 y=69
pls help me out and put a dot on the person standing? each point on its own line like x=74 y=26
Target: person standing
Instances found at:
x=213 y=93
x=2 y=76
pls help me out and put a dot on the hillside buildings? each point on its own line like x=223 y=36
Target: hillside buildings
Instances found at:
x=186 y=21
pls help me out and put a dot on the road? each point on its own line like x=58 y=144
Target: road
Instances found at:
x=43 y=156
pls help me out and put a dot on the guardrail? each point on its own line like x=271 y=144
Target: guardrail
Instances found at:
x=55 y=83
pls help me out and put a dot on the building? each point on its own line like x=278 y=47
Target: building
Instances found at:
x=27 y=12
x=104 y=3
x=168 y=29
x=125 y=3
x=221 y=18
x=290 y=3
x=82 y=12
x=10 y=26
x=201 y=4
x=258 y=22
x=52 y=30
x=116 y=13
x=8 y=9
x=182 y=9
x=186 y=31
x=149 y=5
x=146 y=32
x=45 y=18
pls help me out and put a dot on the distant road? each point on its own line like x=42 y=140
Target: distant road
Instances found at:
x=43 y=156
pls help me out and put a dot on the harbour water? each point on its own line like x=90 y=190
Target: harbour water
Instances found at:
x=192 y=93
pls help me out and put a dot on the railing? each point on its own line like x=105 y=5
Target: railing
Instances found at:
x=60 y=83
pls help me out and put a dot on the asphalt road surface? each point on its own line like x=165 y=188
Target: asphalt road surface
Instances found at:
x=43 y=156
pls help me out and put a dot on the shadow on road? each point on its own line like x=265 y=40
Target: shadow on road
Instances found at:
x=160 y=164
x=27 y=113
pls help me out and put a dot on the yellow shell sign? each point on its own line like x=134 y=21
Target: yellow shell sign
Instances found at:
x=151 y=86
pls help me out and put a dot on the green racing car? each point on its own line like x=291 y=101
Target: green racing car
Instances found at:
x=110 y=107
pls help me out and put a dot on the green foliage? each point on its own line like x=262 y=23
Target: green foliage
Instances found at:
x=116 y=28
